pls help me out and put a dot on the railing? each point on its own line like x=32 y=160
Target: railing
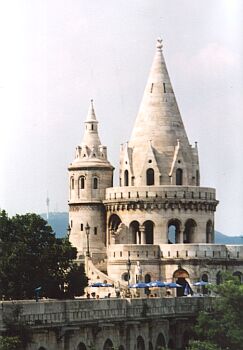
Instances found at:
x=54 y=313
x=164 y=192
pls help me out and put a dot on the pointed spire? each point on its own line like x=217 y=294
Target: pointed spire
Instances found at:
x=91 y=113
x=91 y=136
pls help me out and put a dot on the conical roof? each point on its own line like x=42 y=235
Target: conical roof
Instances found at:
x=91 y=136
x=158 y=120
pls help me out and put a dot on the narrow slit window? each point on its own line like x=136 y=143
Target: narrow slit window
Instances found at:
x=164 y=87
x=151 y=90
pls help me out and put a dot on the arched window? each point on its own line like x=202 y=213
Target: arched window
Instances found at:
x=126 y=178
x=204 y=279
x=82 y=182
x=150 y=177
x=108 y=345
x=140 y=343
x=72 y=183
x=135 y=235
x=174 y=229
x=197 y=178
x=179 y=176
x=190 y=230
x=95 y=183
x=147 y=278
x=219 y=279
x=209 y=232
x=81 y=346
x=160 y=342
x=149 y=232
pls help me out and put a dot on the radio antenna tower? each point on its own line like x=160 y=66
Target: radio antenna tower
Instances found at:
x=47 y=207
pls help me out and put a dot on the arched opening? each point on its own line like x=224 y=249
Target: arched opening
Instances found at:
x=238 y=274
x=135 y=234
x=171 y=345
x=190 y=230
x=149 y=232
x=150 y=177
x=197 y=178
x=108 y=345
x=42 y=348
x=121 y=347
x=150 y=346
x=82 y=182
x=185 y=340
x=140 y=343
x=95 y=183
x=179 y=176
x=72 y=183
x=180 y=276
x=219 y=278
x=204 y=279
x=174 y=229
x=147 y=278
x=160 y=342
x=126 y=178
x=81 y=346
x=209 y=232
x=114 y=222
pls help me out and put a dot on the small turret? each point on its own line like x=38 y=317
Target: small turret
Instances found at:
x=89 y=176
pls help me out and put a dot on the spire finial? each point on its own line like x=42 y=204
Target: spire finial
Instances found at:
x=159 y=43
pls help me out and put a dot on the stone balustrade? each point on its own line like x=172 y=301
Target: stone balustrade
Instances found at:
x=172 y=251
x=160 y=192
x=52 y=313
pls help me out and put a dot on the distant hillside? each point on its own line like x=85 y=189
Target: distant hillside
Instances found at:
x=59 y=224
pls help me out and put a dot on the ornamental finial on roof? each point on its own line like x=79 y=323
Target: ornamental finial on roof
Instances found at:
x=159 y=44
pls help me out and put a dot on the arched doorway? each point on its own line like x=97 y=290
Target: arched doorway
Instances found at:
x=108 y=345
x=81 y=346
x=209 y=232
x=140 y=343
x=190 y=230
x=174 y=229
x=180 y=276
x=135 y=234
x=149 y=232
x=160 y=342
x=204 y=279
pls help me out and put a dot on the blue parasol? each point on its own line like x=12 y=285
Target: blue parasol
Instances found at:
x=158 y=284
x=173 y=285
x=100 y=284
x=139 y=285
x=200 y=283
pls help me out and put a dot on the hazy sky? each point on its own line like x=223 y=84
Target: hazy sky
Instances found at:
x=58 y=54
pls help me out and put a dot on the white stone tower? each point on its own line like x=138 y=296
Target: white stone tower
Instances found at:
x=89 y=175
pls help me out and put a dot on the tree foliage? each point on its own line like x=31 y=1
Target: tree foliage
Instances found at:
x=31 y=256
x=221 y=328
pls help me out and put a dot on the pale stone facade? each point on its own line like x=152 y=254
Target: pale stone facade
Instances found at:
x=159 y=215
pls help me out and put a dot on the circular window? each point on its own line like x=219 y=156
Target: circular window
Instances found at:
x=179 y=161
x=150 y=161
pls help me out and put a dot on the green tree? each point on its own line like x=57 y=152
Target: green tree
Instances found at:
x=221 y=328
x=31 y=256
x=10 y=343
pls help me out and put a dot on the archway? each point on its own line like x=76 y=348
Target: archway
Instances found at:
x=174 y=229
x=190 y=230
x=114 y=222
x=219 y=278
x=160 y=342
x=134 y=232
x=180 y=275
x=140 y=343
x=81 y=346
x=150 y=177
x=204 y=279
x=149 y=232
x=209 y=232
x=147 y=278
x=185 y=340
x=238 y=274
x=108 y=345
x=150 y=346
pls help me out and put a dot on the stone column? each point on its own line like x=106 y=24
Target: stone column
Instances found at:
x=138 y=237
x=143 y=236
